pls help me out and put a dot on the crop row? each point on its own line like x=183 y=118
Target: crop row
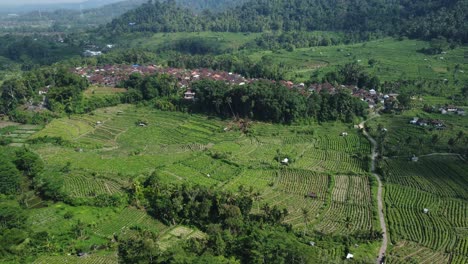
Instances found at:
x=82 y=186
x=127 y=218
x=428 y=175
x=410 y=252
x=434 y=229
x=351 y=189
x=345 y=218
x=303 y=182
x=89 y=259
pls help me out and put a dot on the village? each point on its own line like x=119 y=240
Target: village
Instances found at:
x=114 y=75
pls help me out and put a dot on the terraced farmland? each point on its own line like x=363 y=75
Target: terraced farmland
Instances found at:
x=84 y=186
x=128 y=218
x=439 y=185
x=20 y=134
x=109 y=148
x=88 y=259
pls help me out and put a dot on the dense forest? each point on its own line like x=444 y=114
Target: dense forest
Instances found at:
x=210 y=5
x=417 y=19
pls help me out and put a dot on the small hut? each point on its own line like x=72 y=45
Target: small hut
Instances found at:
x=426 y=210
x=189 y=95
x=311 y=195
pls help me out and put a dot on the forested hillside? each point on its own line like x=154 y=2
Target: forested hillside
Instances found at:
x=416 y=19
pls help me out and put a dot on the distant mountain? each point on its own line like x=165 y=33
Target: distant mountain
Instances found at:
x=92 y=16
x=56 y=6
x=425 y=19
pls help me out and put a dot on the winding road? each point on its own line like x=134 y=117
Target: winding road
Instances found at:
x=383 y=226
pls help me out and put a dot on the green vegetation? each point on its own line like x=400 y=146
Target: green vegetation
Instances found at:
x=139 y=174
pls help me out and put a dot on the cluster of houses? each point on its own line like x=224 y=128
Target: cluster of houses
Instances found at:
x=451 y=109
x=113 y=75
x=427 y=122
x=90 y=53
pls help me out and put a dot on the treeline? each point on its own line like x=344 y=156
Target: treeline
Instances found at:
x=303 y=39
x=261 y=100
x=268 y=101
x=416 y=19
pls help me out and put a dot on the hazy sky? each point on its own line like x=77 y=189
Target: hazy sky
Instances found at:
x=24 y=2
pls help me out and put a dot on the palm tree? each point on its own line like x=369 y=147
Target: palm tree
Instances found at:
x=257 y=197
x=460 y=136
x=451 y=143
x=218 y=103
x=305 y=215
x=229 y=102
x=348 y=222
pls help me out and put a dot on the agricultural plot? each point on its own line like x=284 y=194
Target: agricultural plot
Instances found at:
x=128 y=218
x=350 y=207
x=178 y=234
x=410 y=252
x=340 y=204
x=100 y=91
x=87 y=259
x=19 y=134
x=77 y=185
x=427 y=207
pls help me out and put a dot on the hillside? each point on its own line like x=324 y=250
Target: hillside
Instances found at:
x=417 y=19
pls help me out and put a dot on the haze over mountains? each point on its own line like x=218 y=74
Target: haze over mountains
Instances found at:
x=47 y=5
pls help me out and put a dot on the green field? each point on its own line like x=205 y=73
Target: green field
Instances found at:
x=395 y=59
x=98 y=91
